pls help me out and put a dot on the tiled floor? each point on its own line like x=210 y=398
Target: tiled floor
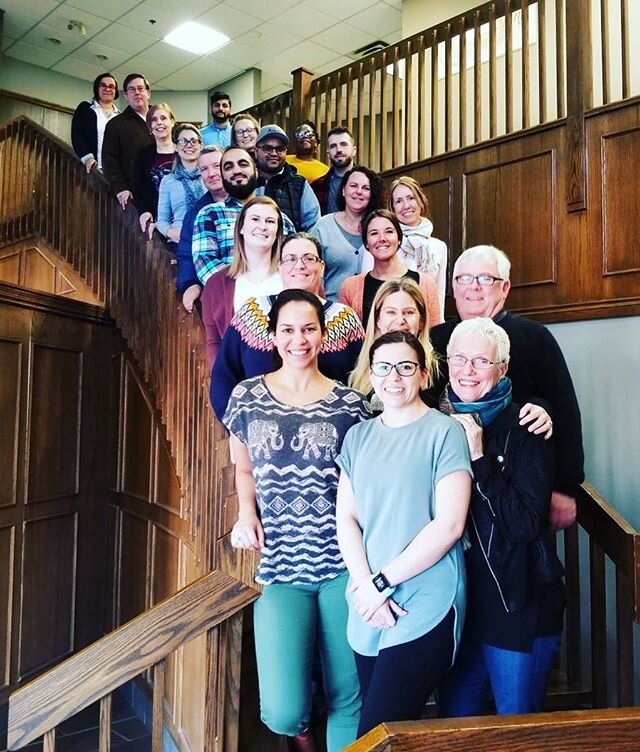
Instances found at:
x=80 y=733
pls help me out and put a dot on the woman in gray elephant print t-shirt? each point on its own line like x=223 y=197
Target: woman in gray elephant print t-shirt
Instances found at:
x=286 y=430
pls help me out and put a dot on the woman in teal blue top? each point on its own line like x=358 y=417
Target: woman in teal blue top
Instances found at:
x=402 y=503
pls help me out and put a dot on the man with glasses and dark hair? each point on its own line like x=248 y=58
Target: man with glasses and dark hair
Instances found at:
x=537 y=369
x=304 y=160
x=281 y=181
x=125 y=135
x=341 y=151
x=218 y=132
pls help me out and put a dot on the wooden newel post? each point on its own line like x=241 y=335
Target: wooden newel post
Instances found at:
x=579 y=97
x=300 y=100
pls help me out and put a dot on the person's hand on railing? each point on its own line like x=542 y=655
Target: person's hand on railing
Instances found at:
x=147 y=224
x=123 y=197
x=90 y=164
x=189 y=297
x=563 y=511
x=248 y=532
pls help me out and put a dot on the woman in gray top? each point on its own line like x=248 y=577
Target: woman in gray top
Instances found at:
x=399 y=525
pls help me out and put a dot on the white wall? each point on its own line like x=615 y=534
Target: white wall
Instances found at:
x=604 y=360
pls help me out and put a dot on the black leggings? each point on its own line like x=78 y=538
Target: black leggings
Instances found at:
x=397 y=682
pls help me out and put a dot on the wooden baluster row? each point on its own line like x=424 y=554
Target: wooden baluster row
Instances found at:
x=561 y=107
x=435 y=94
x=477 y=79
x=422 y=83
x=383 y=141
x=524 y=27
x=624 y=47
x=604 y=50
x=542 y=61
x=493 y=107
x=372 y=113
x=159 y=671
x=448 y=93
x=462 y=84
x=105 y=723
x=508 y=66
x=410 y=150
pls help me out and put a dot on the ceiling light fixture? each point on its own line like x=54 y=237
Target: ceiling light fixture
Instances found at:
x=196 y=38
x=54 y=40
x=99 y=56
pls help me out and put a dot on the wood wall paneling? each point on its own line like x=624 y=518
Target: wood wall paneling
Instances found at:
x=54 y=446
x=620 y=202
x=167 y=488
x=133 y=567
x=512 y=205
x=7 y=553
x=10 y=370
x=137 y=439
x=47 y=620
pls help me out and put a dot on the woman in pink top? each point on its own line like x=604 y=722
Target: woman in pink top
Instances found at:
x=382 y=236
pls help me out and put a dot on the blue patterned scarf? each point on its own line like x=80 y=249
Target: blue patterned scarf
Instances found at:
x=487 y=409
x=190 y=180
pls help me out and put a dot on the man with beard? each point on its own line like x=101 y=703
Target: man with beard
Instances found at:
x=281 y=181
x=306 y=145
x=218 y=132
x=341 y=150
x=214 y=227
x=125 y=135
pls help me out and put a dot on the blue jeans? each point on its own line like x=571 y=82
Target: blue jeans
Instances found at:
x=289 y=621
x=517 y=680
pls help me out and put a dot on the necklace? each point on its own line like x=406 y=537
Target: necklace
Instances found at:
x=349 y=225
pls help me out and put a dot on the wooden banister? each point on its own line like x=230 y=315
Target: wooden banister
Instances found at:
x=119 y=656
x=616 y=730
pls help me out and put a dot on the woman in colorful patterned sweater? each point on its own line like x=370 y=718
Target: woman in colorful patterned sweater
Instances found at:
x=286 y=430
x=247 y=348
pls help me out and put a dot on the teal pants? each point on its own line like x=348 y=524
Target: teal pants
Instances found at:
x=289 y=621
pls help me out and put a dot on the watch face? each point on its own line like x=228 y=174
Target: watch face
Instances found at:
x=380 y=581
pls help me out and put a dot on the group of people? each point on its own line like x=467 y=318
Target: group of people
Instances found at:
x=401 y=477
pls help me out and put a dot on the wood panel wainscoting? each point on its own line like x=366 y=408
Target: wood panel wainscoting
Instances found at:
x=514 y=193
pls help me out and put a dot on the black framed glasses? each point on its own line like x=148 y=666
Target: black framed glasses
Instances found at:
x=479 y=363
x=273 y=148
x=484 y=280
x=245 y=131
x=403 y=368
x=188 y=141
x=304 y=133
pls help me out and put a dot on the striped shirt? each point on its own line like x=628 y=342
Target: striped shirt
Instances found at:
x=293 y=450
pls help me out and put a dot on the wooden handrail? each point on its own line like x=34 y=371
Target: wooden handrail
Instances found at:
x=616 y=730
x=119 y=656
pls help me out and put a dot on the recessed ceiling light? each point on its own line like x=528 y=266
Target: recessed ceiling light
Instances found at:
x=196 y=38
x=99 y=56
x=54 y=40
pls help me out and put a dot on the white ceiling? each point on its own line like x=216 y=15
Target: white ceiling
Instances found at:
x=275 y=36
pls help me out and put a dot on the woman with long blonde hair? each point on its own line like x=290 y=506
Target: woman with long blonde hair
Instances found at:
x=252 y=273
x=398 y=306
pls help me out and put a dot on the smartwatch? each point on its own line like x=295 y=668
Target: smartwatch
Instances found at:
x=382 y=585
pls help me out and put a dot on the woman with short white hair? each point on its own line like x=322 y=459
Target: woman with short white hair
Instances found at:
x=515 y=594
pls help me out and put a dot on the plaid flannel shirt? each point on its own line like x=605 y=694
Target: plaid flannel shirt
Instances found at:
x=213 y=236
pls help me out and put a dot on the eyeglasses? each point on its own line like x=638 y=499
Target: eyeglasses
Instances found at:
x=136 y=89
x=111 y=87
x=484 y=280
x=403 y=368
x=273 y=149
x=302 y=133
x=188 y=141
x=246 y=131
x=307 y=260
x=479 y=363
